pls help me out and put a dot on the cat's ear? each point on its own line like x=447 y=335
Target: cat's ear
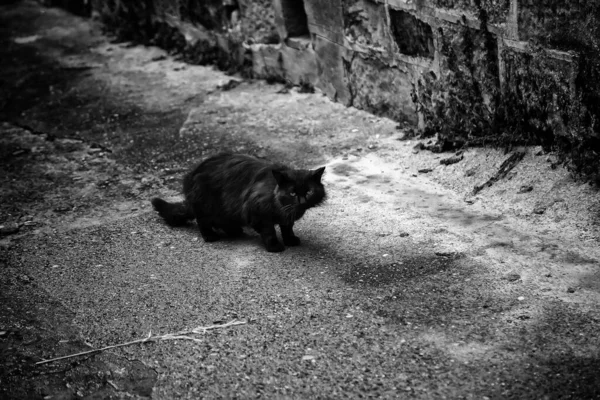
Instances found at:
x=317 y=174
x=280 y=177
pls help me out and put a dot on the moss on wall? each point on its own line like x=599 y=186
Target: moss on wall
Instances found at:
x=365 y=23
x=258 y=21
x=495 y=10
x=412 y=36
x=459 y=105
x=544 y=99
x=542 y=106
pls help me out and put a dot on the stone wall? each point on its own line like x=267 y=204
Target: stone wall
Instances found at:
x=368 y=53
x=458 y=68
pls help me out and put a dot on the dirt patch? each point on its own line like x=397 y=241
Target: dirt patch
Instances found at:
x=35 y=326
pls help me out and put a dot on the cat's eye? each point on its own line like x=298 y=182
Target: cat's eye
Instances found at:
x=293 y=194
x=310 y=192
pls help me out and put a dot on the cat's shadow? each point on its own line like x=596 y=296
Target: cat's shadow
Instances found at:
x=248 y=235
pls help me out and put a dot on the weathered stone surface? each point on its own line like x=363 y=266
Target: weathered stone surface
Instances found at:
x=542 y=19
x=332 y=80
x=412 y=36
x=325 y=18
x=267 y=61
x=365 y=24
x=407 y=4
x=542 y=85
x=166 y=8
x=381 y=89
x=279 y=19
x=300 y=65
x=256 y=20
x=496 y=10
x=281 y=62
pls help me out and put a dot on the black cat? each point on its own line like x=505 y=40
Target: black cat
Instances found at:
x=228 y=191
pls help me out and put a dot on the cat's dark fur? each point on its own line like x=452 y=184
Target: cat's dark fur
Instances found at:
x=229 y=191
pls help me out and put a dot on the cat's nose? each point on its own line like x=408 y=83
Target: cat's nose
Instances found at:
x=302 y=200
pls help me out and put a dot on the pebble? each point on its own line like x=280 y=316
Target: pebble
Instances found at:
x=9 y=229
x=19 y=152
x=63 y=208
x=470 y=172
x=26 y=39
x=452 y=160
x=525 y=189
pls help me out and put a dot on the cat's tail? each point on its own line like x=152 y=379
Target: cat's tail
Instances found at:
x=174 y=214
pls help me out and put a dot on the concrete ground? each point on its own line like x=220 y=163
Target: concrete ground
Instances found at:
x=406 y=285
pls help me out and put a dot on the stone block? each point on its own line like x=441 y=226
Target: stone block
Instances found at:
x=413 y=37
x=403 y=4
x=332 y=80
x=540 y=20
x=365 y=24
x=279 y=19
x=267 y=61
x=325 y=19
x=382 y=89
x=255 y=19
x=165 y=8
x=300 y=65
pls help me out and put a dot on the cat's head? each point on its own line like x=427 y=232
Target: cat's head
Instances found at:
x=299 y=190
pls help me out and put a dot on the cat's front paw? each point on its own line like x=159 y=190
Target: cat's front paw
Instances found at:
x=212 y=237
x=275 y=247
x=291 y=241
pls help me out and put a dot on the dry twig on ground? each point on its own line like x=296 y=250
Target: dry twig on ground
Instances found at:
x=182 y=335
x=504 y=169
